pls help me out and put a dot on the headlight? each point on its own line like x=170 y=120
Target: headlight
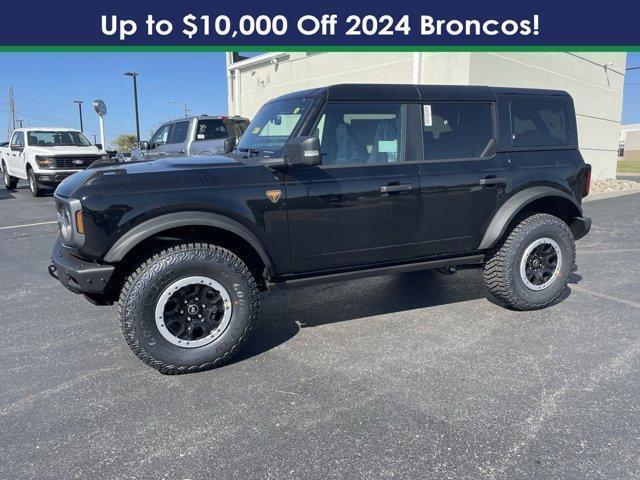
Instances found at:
x=64 y=222
x=105 y=157
x=45 y=162
x=70 y=221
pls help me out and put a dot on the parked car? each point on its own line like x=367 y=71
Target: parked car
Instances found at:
x=201 y=135
x=327 y=185
x=46 y=156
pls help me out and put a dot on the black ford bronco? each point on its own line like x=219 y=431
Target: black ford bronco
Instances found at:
x=326 y=185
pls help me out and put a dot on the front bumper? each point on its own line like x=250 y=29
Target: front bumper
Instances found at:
x=78 y=275
x=580 y=226
x=53 y=178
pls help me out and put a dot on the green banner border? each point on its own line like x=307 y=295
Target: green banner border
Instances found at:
x=319 y=48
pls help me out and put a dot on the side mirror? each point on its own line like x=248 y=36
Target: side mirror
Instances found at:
x=144 y=145
x=230 y=143
x=302 y=151
x=99 y=146
x=16 y=147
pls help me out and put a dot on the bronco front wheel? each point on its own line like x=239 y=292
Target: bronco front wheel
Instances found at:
x=188 y=308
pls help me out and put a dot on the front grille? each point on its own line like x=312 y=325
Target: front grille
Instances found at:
x=75 y=162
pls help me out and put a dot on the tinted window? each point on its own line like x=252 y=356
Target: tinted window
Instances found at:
x=538 y=123
x=456 y=129
x=179 y=134
x=161 y=136
x=213 y=129
x=352 y=134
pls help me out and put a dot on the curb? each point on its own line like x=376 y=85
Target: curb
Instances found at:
x=604 y=195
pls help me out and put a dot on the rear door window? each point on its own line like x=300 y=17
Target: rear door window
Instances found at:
x=179 y=134
x=456 y=129
x=538 y=123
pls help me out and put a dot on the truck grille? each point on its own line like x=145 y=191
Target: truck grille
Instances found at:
x=75 y=162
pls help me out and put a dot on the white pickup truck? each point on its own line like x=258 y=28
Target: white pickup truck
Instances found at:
x=46 y=156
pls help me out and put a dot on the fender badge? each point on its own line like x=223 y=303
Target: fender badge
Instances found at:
x=274 y=195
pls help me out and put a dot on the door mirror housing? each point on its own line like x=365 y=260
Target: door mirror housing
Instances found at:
x=302 y=151
x=16 y=147
x=230 y=143
x=144 y=145
x=99 y=146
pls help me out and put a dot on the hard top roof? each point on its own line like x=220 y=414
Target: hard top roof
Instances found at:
x=399 y=92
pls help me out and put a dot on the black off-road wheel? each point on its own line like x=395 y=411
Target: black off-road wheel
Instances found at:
x=34 y=186
x=532 y=265
x=188 y=308
x=10 y=182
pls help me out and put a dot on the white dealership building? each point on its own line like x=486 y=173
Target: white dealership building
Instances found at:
x=594 y=80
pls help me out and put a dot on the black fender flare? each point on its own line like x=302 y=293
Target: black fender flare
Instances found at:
x=513 y=205
x=161 y=223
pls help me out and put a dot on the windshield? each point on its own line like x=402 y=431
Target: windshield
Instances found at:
x=58 y=139
x=272 y=127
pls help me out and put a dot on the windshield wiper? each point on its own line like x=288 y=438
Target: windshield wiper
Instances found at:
x=249 y=150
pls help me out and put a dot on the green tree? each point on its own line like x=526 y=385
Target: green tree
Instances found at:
x=125 y=142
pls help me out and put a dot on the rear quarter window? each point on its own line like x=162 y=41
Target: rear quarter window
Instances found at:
x=211 y=129
x=539 y=123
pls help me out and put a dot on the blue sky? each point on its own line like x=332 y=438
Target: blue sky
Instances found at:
x=46 y=84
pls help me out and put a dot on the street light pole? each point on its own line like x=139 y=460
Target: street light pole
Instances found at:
x=79 y=102
x=134 y=75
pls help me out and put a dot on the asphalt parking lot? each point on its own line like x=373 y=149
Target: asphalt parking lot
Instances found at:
x=410 y=376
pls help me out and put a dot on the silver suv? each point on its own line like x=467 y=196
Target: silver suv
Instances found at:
x=201 y=135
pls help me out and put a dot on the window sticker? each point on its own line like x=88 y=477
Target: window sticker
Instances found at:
x=428 y=122
x=387 y=146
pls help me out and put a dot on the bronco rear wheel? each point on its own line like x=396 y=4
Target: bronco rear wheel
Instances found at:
x=188 y=308
x=531 y=267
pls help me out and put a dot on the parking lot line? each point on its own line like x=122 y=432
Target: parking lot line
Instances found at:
x=28 y=225
x=604 y=295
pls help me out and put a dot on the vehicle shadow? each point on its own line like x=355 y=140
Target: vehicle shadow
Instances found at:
x=283 y=314
x=6 y=194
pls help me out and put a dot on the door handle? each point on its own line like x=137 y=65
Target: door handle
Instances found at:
x=403 y=187
x=180 y=151
x=163 y=153
x=492 y=181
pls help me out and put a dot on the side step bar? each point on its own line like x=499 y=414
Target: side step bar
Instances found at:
x=374 y=272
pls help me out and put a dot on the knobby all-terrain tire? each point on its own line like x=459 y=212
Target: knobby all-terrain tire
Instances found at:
x=34 y=186
x=144 y=287
x=10 y=182
x=502 y=270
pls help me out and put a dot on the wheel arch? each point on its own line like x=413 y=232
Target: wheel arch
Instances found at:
x=540 y=199
x=172 y=221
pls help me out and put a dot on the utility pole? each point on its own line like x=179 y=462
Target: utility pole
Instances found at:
x=134 y=75
x=79 y=102
x=19 y=122
x=186 y=110
x=95 y=139
x=11 y=125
